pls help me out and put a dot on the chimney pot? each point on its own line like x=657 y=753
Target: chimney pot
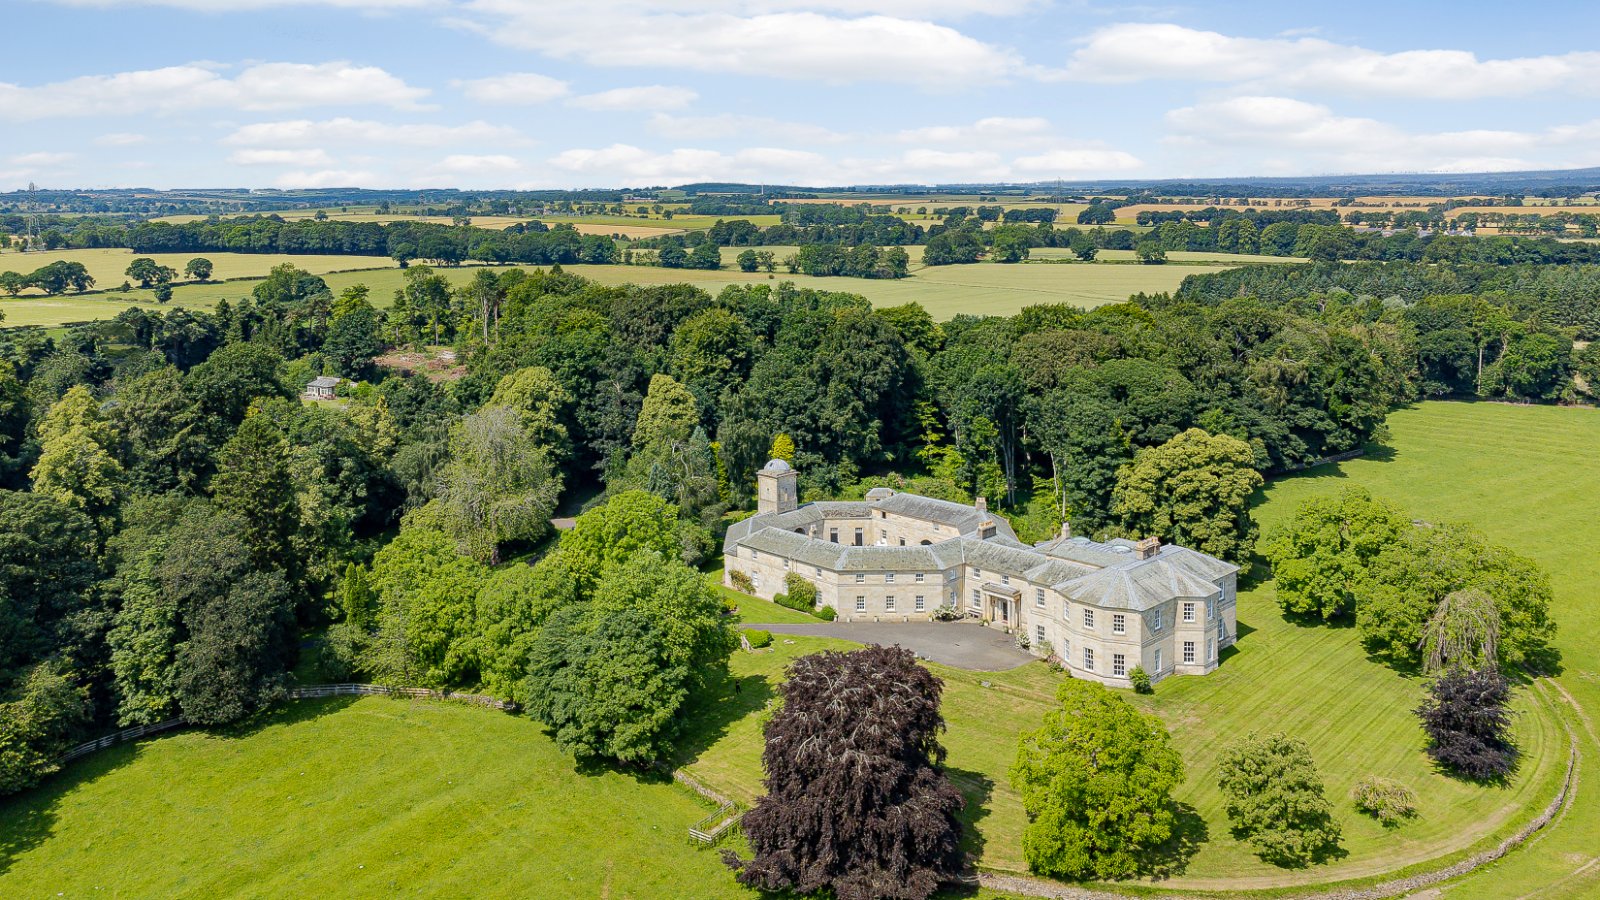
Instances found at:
x=1148 y=547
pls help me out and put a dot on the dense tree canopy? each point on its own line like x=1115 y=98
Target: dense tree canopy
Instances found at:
x=1275 y=798
x=1096 y=782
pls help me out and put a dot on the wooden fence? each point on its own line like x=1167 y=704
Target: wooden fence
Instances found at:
x=715 y=824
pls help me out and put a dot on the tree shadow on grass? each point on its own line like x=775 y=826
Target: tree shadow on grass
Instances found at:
x=27 y=819
x=725 y=700
x=287 y=712
x=976 y=788
x=1171 y=859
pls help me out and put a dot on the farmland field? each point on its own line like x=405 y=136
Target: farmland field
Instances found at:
x=378 y=793
x=107 y=265
x=945 y=291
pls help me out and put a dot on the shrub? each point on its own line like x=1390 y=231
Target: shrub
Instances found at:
x=802 y=593
x=741 y=582
x=826 y=613
x=1390 y=802
x=758 y=638
x=947 y=614
x=1140 y=679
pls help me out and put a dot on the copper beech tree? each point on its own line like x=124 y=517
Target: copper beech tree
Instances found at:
x=856 y=803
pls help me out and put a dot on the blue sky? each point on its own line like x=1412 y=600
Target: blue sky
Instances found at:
x=588 y=93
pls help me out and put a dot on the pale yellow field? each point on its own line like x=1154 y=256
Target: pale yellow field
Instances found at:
x=107 y=266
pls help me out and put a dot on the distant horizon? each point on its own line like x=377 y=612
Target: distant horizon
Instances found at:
x=1592 y=173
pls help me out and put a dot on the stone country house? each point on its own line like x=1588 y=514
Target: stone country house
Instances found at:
x=1102 y=609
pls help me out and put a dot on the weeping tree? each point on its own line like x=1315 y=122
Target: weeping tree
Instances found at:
x=1463 y=633
x=856 y=803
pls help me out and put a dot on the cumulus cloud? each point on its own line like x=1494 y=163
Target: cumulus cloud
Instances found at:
x=524 y=88
x=308 y=132
x=264 y=86
x=1078 y=162
x=1140 y=52
x=1287 y=134
x=770 y=38
x=628 y=99
x=314 y=157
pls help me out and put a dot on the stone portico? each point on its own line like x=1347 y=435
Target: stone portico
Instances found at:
x=1102 y=608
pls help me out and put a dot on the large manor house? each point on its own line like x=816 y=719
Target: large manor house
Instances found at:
x=1101 y=608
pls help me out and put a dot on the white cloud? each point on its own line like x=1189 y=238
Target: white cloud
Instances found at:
x=625 y=164
x=769 y=38
x=41 y=159
x=655 y=96
x=226 y=6
x=1292 y=135
x=476 y=164
x=1081 y=162
x=326 y=178
x=731 y=125
x=995 y=129
x=120 y=139
x=313 y=158
x=524 y=88
x=307 y=132
x=628 y=165
x=264 y=86
x=1142 y=52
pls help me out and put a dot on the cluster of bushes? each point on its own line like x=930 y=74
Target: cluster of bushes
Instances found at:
x=757 y=638
x=1390 y=802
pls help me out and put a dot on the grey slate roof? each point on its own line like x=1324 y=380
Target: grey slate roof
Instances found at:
x=1138 y=586
x=1107 y=575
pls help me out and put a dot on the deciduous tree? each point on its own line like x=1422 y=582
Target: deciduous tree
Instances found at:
x=1193 y=490
x=856 y=804
x=1096 y=782
x=1275 y=798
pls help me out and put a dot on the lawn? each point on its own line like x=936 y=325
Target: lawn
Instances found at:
x=1526 y=477
x=365 y=798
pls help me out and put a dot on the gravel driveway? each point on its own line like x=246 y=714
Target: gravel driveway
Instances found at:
x=960 y=644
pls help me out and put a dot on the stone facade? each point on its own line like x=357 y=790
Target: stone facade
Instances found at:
x=1102 y=609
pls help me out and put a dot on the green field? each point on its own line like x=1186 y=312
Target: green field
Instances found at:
x=471 y=802
x=355 y=798
x=1525 y=476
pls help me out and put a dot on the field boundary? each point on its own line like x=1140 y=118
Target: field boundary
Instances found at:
x=1035 y=887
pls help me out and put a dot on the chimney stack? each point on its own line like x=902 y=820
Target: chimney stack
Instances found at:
x=1148 y=547
x=1066 y=530
x=982 y=505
